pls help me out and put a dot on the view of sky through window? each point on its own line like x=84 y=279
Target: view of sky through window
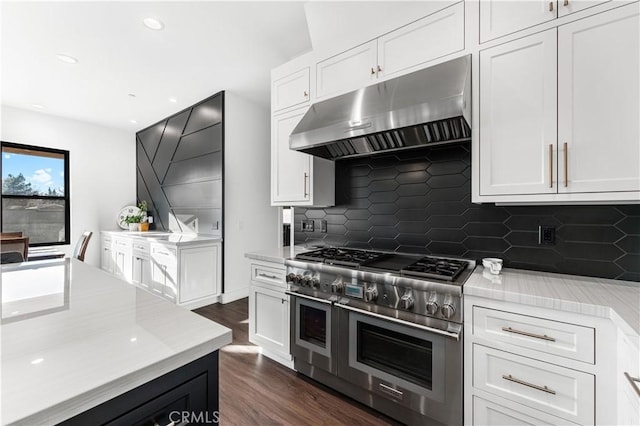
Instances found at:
x=42 y=175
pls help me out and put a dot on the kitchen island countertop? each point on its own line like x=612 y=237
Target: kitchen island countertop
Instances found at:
x=607 y=298
x=74 y=337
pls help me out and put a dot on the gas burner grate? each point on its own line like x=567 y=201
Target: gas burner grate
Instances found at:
x=433 y=267
x=342 y=256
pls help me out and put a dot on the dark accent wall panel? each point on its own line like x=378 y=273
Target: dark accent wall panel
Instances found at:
x=419 y=201
x=179 y=165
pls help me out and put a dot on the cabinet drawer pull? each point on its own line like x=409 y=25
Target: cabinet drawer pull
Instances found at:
x=373 y=71
x=550 y=166
x=306 y=194
x=531 y=385
x=633 y=381
x=273 y=277
x=566 y=3
x=306 y=95
x=566 y=164
x=550 y=6
x=524 y=333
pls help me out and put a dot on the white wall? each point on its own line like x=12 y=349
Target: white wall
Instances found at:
x=102 y=168
x=250 y=222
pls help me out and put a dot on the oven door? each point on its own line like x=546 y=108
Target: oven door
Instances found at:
x=411 y=365
x=314 y=332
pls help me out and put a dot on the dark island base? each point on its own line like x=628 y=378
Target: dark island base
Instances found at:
x=188 y=394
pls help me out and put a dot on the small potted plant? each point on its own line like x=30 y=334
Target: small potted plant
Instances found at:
x=144 y=224
x=133 y=221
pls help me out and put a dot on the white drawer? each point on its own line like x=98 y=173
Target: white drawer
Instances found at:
x=141 y=247
x=487 y=413
x=166 y=254
x=552 y=337
x=124 y=244
x=268 y=275
x=555 y=390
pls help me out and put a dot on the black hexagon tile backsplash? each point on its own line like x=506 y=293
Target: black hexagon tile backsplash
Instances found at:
x=419 y=201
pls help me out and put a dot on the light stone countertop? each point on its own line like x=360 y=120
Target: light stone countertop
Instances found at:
x=617 y=300
x=171 y=238
x=276 y=255
x=74 y=336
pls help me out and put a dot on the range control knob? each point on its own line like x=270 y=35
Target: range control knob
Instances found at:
x=371 y=294
x=432 y=306
x=291 y=278
x=314 y=283
x=336 y=287
x=448 y=310
x=305 y=280
x=406 y=302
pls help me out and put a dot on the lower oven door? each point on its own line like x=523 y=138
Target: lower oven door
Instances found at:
x=408 y=364
x=314 y=332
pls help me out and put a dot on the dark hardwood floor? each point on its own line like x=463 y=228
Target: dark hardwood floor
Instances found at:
x=254 y=390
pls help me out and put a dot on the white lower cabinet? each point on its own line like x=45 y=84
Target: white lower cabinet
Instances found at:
x=530 y=365
x=188 y=275
x=269 y=311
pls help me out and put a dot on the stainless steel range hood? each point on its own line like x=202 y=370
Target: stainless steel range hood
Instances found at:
x=430 y=106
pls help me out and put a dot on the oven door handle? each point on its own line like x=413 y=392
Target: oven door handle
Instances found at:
x=304 y=296
x=452 y=335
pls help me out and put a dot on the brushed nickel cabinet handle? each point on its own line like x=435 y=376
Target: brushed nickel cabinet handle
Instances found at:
x=566 y=164
x=550 y=165
x=633 y=381
x=306 y=194
x=379 y=69
x=550 y=6
x=526 y=333
x=273 y=277
x=531 y=385
x=306 y=95
x=373 y=71
x=566 y=3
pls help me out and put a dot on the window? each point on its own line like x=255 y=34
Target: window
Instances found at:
x=35 y=193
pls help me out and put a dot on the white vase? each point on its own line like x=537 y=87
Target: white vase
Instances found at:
x=134 y=227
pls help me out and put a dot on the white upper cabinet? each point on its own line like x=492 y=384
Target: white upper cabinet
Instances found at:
x=598 y=101
x=297 y=179
x=347 y=71
x=429 y=38
x=291 y=90
x=397 y=52
x=595 y=106
x=500 y=17
x=518 y=116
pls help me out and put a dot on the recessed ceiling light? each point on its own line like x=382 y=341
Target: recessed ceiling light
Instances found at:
x=131 y=95
x=37 y=106
x=66 y=58
x=174 y=100
x=133 y=121
x=37 y=361
x=153 y=24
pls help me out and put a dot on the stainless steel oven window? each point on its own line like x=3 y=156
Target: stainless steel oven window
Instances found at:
x=394 y=362
x=313 y=326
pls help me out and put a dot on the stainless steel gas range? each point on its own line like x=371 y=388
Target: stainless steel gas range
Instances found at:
x=383 y=328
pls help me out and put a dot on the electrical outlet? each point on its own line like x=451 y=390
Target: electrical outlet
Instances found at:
x=323 y=226
x=546 y=235
x=306 y=225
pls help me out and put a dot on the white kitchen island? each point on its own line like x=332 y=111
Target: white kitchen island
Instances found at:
x=74 y=339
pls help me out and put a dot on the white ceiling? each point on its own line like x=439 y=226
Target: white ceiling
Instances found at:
x=205 y=47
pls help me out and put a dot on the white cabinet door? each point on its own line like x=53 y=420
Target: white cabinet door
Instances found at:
x=518 y=118
x=199 y=273
x=141 y=271
x=432 y=37
x=567 y=7
x=122 y=265
x=106 y=254
x=291 y=90
x=269 y=325
x=164 y=271
x=290 y=170
x=347 y=71
x=487 y=413
x=500 y=17
x=598 y=102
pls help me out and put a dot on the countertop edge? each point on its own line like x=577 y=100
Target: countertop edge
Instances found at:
x=94 y=397
x=475 y=288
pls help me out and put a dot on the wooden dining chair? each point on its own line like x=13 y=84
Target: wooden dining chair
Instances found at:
x=10 y=234
x=81 y=245
x=16 y=245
